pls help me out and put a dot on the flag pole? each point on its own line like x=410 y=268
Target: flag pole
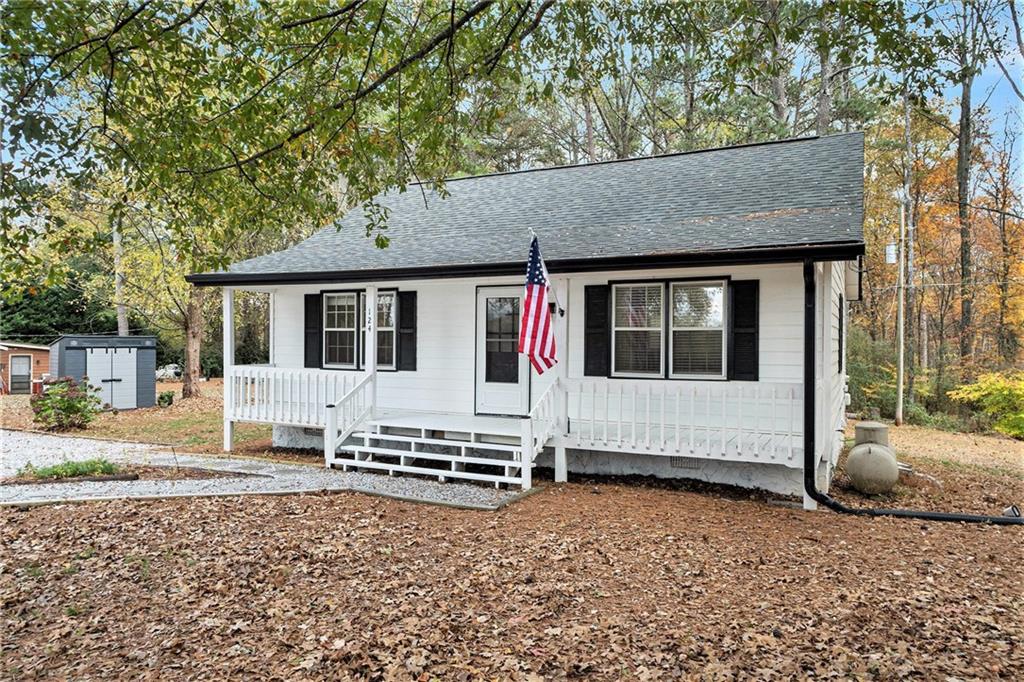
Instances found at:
x=554 y=291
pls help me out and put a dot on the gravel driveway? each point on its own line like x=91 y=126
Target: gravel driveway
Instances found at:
x=18 y=448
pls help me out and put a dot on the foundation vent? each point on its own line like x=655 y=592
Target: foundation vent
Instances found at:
x=684 y=462
x=312 y=432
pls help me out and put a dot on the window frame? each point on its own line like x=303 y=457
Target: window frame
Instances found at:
x=324 y=296
x=660 y=329
x=724 y=328
x=361 y=351
x=360 y=330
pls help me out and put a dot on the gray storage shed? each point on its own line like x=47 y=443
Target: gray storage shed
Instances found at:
x=121 y=368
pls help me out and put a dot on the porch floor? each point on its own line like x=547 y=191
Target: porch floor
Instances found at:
x=459 y=423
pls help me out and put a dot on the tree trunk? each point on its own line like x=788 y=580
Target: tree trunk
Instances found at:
x=963 y=189
x=779 y=73
x=122 y=310
x=690 y=100
x=588 y=118
x=824 y=114
x=1005 y=334
x=193 y=328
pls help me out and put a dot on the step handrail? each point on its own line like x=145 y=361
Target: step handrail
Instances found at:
x=352 y=408
x=541 y=423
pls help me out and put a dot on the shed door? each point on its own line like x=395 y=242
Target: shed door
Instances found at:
x=123 y=373
x=21 y=373
x=97 y=369
x=113 y=372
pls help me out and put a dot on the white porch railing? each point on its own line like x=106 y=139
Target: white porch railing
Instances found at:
x=293 y=397
x=344 y=416
x=546 y=420
x=755 y=422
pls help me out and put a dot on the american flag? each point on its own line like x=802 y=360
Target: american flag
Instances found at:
x=536 y=329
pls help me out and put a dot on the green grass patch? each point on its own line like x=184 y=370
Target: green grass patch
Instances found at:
x=87 y=467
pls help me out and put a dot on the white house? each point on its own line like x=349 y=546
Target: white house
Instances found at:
x=702 y=335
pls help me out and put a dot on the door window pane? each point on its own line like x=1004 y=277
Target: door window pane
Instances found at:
x=501 y=356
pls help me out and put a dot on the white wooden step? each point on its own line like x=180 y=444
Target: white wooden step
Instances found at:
x=416 y=454
x=441 y=473
x=501 y=447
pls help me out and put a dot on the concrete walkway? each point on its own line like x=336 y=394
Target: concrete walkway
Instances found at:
x=256 y=477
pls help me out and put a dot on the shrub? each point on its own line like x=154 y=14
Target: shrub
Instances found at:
x=998 y=396
x=165 y=399
x=915 y=413
x=88 y=467
x=65 y=404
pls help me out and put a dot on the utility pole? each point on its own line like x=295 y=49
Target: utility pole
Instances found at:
x=899 y=320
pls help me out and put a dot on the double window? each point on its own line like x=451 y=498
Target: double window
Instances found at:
x=345 y=329
x=678 y=323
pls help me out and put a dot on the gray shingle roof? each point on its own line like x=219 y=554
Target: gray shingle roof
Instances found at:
x=807 y=191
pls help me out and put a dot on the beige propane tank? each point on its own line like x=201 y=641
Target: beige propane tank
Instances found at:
x=872 y=468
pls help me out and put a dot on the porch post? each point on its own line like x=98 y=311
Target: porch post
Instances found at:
x=561 y=286
x=272 y=313
x=526 y=468
x=228 y=365
x=370 y=363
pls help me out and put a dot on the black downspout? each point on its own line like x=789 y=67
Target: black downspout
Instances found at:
x=810 y=485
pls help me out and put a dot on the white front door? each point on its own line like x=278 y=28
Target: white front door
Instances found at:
x=502 y=374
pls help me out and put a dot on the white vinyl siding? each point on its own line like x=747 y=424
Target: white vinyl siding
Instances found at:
x=446 y=344
x=697 y=339
x=638 y=330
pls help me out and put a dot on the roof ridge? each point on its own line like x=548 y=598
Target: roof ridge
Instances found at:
x=667 y=155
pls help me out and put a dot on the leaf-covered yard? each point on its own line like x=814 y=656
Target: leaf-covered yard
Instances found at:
x=606 y=581
x=195 y=424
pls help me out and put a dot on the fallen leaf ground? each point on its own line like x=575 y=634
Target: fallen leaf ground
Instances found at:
x=605 y=582
x=195 y=424
x=978 y=473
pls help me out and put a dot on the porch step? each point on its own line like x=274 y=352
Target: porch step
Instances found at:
x=426 y=471
x=418 y=454
x=446 y=442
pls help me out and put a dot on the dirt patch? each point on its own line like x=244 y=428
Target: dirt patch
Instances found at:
x=130 y=472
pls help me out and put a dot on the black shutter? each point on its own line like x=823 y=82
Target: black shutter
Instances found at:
x=313 y=331
x=841 y=321
x=597 y=331
x=743 y=330
x=406 y=337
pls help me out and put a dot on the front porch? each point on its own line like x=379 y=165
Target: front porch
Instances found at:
x=757 y=422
